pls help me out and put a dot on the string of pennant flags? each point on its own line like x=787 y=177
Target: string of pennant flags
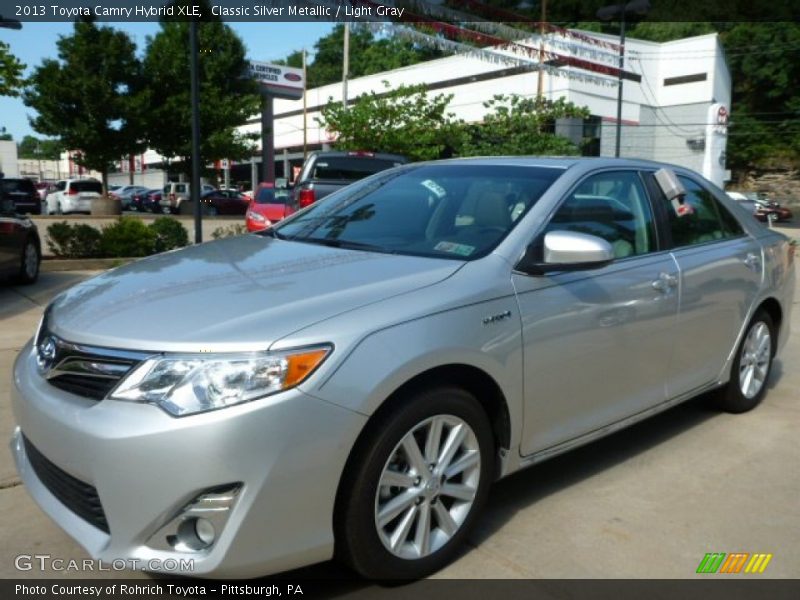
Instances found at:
x=499 y=43
x=491 y=56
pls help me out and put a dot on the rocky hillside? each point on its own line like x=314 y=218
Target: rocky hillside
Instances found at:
x=783 y=186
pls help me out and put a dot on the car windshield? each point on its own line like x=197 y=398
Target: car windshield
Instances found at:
x=459 y=211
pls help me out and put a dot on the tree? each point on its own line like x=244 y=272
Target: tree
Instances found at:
x=521 y=126
x=5 y=136
x=765 y=116
x=90 y=97
x=10 y=72
x=45 y=149
x=227 y=97
x=403 y=120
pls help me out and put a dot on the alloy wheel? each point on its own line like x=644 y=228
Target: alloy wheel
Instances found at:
x=754 y=360
x=427 y=487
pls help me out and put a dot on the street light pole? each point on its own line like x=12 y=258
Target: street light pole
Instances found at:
x=10 y=23
x=345 y=63
x=195 y=100
x=610 y=13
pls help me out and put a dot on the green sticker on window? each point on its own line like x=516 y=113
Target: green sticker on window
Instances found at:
x=460 y=249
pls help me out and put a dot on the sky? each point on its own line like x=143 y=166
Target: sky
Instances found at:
x=37 y=41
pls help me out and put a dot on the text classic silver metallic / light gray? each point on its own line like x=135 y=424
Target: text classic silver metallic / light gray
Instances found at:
x=351 y=381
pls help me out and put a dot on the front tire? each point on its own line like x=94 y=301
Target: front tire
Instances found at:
x=751 y=367
x=415 y=485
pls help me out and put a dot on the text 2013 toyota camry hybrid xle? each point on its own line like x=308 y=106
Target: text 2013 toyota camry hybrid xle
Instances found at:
x=351 y=381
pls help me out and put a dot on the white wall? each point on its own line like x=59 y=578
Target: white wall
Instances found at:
x=8 y=158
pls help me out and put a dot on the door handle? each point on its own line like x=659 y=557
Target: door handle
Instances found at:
x=752 y=261
x=665 y=282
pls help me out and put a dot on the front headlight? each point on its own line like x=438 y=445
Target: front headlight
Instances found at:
x=188 y=384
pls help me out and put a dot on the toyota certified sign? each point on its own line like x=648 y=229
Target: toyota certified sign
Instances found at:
x=278 y=80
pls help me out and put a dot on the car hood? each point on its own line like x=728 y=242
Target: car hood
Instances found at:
x=235 y=294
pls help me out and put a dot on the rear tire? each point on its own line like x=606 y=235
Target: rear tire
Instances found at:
x=29 y=262
x=751 y=367
x=407 y=502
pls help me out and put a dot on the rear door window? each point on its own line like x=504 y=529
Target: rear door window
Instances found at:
x=20 y=186
x=87 y=186
x=707 y=221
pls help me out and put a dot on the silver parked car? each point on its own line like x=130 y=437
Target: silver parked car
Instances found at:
x=352 y=380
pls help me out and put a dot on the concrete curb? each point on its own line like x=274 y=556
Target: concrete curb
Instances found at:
x=82 y=264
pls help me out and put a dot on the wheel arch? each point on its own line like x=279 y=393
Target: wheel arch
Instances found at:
x=773 y=308
x=468 y=377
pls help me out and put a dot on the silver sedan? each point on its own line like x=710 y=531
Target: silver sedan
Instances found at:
x=351 y=381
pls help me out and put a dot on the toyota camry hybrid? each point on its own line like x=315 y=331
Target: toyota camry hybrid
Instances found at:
x=375 y=361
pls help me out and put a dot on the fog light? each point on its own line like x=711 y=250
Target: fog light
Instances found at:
x=204 y=529
x=196 y=526
x=196 y=533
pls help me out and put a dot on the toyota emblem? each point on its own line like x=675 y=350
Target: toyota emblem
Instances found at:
x=47 y=352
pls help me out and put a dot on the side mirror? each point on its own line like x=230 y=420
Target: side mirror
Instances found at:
x=567 y=251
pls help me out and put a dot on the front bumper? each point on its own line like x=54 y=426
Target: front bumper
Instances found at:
x=288 y=451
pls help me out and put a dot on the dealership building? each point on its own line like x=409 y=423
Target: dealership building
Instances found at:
x=675 y=104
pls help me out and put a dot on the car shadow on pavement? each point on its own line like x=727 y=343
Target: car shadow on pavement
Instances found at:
x=527 y=487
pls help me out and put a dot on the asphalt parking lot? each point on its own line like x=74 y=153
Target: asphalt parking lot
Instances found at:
x=648 y=502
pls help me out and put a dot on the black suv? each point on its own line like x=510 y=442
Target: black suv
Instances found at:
x=20 y=194
x=326 y=172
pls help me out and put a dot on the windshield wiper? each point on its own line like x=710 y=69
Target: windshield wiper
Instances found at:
x=336 y=243
x=270 y=231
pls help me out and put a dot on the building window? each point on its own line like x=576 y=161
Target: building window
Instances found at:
x=685 y=79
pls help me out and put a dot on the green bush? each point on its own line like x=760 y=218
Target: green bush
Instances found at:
x=169 y=234
x=59 y=236
x=128 y=237
x=229 y=231
x=73 y=241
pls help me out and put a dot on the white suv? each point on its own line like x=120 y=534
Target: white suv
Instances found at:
x=174 y=194
x=73 y=195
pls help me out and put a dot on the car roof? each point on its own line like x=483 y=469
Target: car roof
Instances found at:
x=359 y=154
x=564 y=162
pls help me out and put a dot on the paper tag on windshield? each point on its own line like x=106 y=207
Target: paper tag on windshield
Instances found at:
x=681 y=209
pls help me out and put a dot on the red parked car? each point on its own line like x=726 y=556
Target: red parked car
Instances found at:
x=269 y=205
x=222 y=202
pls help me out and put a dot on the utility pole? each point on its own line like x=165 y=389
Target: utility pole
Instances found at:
x=305 y=108
x=542 y=29
x=620 y=80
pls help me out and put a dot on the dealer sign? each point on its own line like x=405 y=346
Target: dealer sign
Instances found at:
x=278 y=80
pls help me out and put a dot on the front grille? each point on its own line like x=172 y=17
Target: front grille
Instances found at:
x=88 y=387
x=86 y=371
x=81 y=498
